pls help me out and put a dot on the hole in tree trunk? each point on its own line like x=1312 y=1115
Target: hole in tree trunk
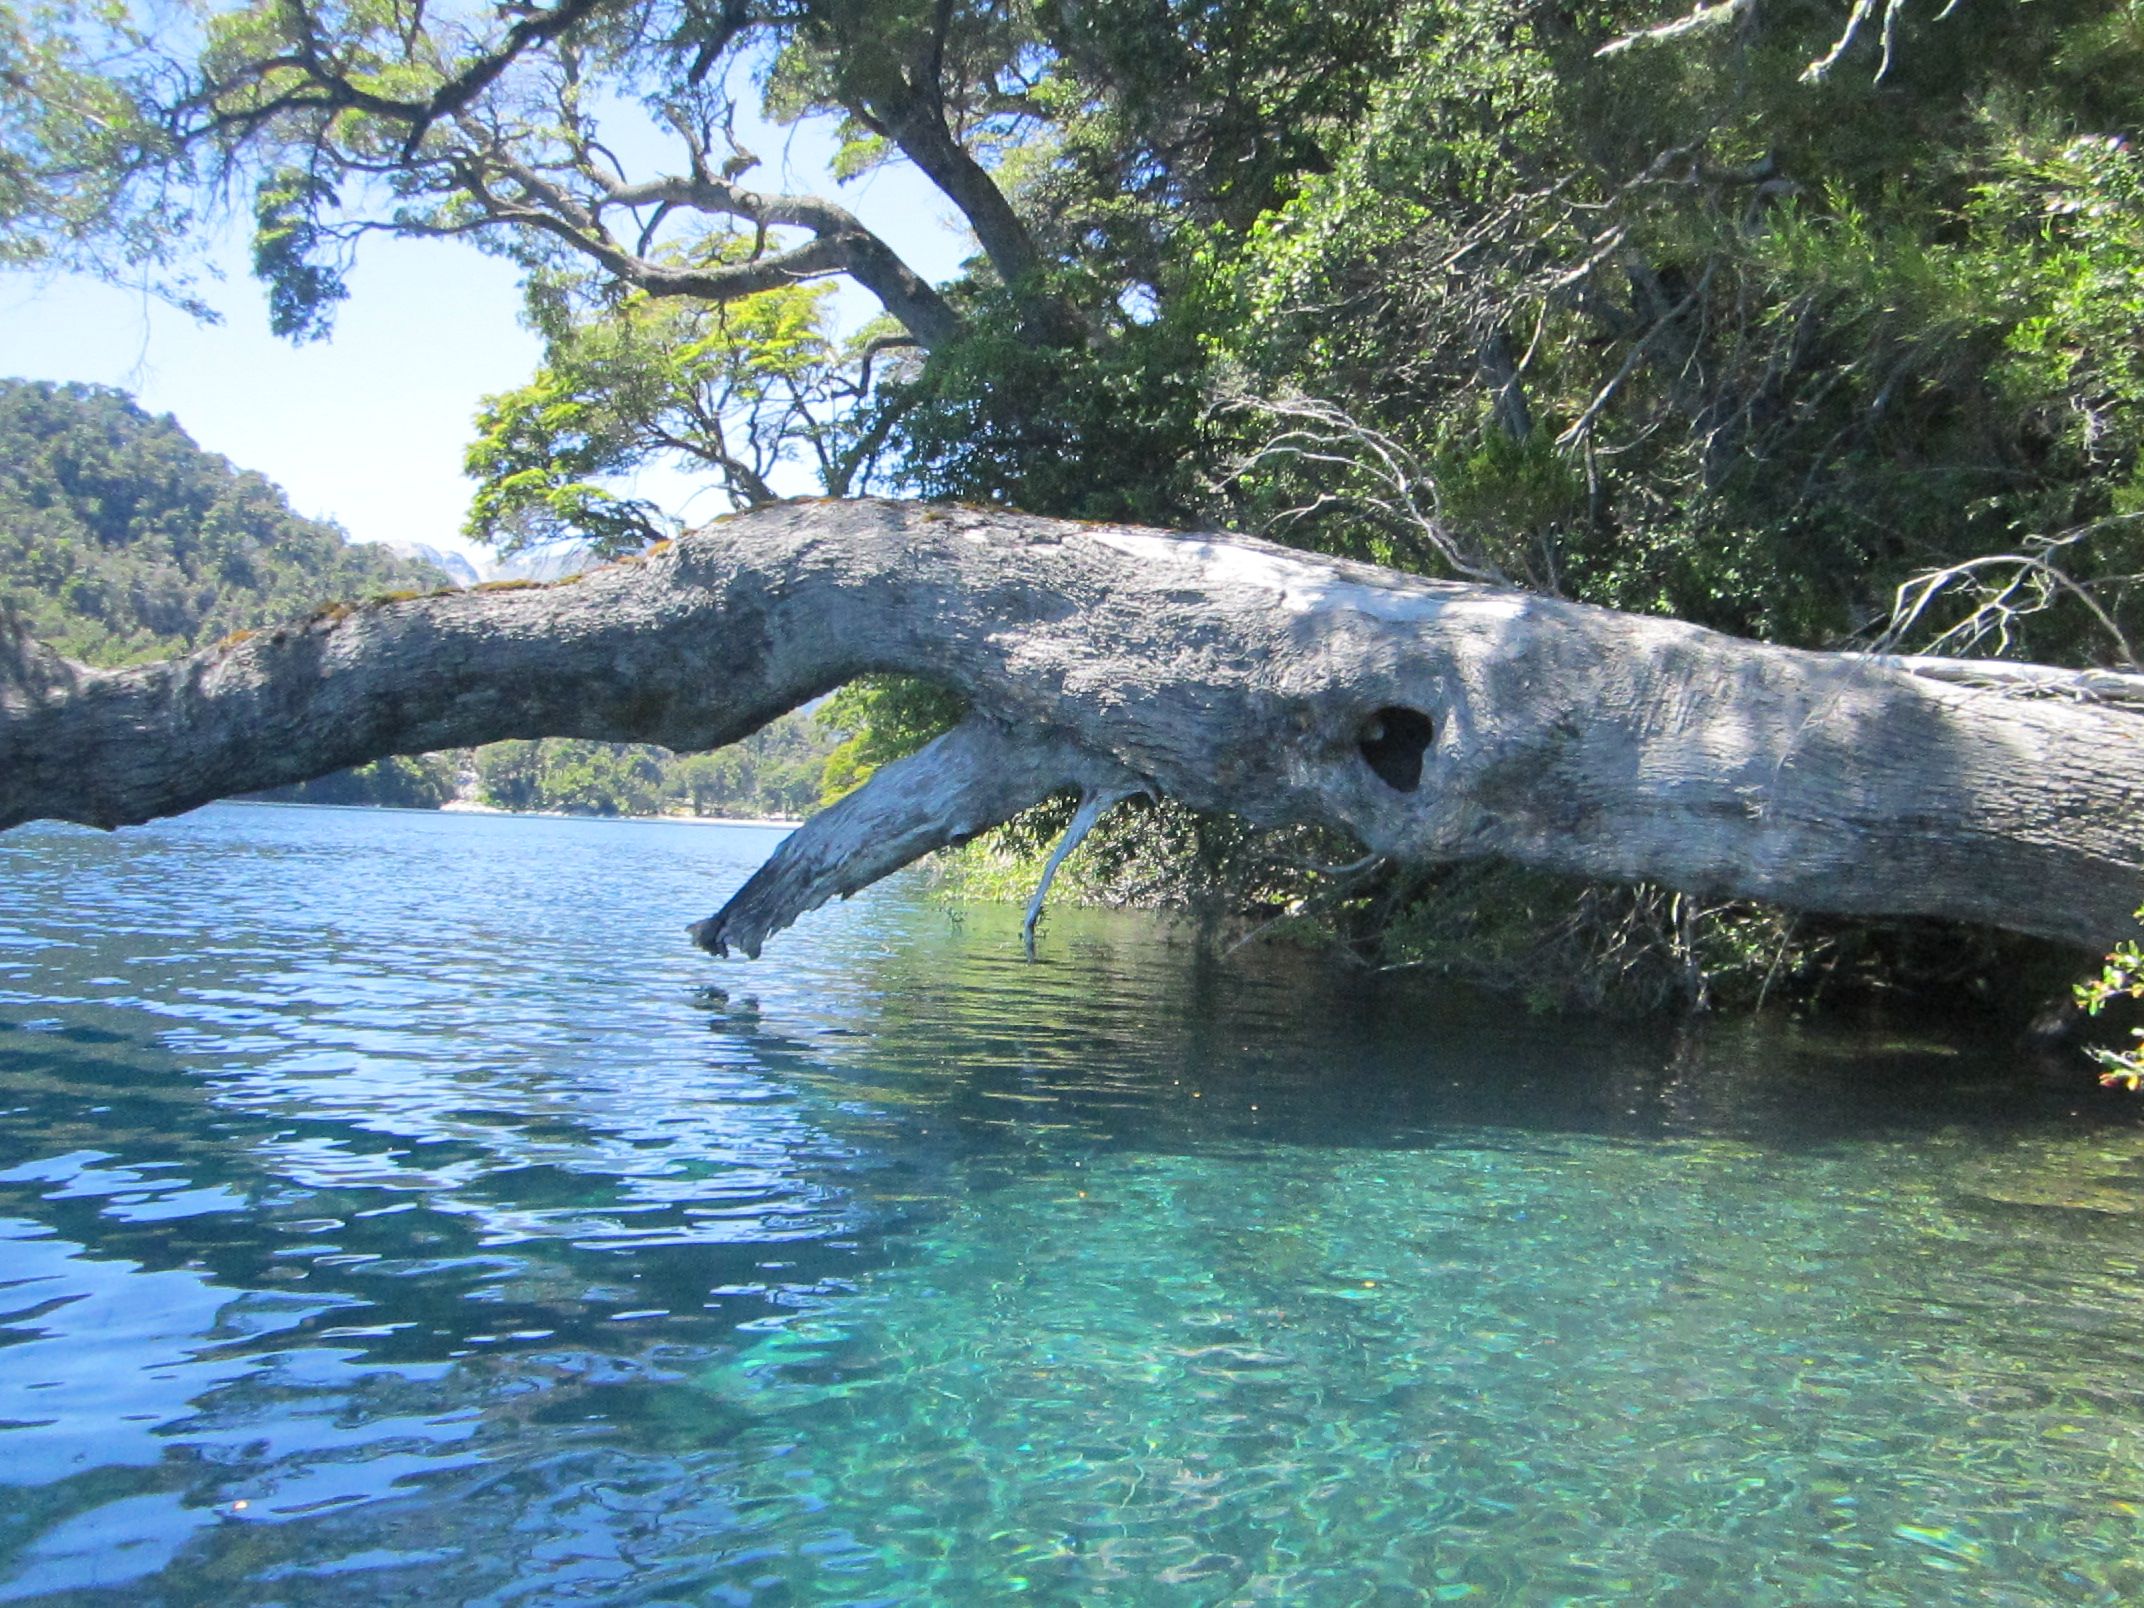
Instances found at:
x=1393 y=741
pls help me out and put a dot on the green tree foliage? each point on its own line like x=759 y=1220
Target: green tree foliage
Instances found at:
x=733 y=390
x=403 y=782
x=1157 y=136
x=2121 y=978
x=776 y=772
x=1675 y=328
x=121 y=541
x=574 y=777
x=505 y=125
x=877 y=719
x=88 y=178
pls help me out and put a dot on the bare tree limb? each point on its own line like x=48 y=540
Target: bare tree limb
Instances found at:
x=966 y=782
x=1093 y=805
x=1430 y=720
x=839 y=235
x=1696 y=21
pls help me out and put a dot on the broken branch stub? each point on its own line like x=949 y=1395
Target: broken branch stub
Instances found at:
x=1431 y=720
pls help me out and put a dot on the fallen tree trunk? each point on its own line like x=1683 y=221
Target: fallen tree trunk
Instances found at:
x=1431 y=720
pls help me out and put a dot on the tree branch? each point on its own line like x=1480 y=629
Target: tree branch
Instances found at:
x=965 y=782
x=863 y=256
x=858 y=253
x=241 y=109
x=1431 y=720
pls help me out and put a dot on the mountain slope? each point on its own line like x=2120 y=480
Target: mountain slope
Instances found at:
x=121 y=540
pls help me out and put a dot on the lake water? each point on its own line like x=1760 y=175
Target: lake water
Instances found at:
x=394 y=1210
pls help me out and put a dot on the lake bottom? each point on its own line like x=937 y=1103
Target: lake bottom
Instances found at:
x=394 y=1208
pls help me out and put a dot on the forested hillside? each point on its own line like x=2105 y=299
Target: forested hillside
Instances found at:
x=122 y=540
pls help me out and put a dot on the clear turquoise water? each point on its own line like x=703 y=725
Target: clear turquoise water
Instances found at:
x=389 y=1212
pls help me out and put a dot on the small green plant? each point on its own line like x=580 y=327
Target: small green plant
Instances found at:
x=2121 y=978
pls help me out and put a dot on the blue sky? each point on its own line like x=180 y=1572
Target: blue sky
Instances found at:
x=368 y=428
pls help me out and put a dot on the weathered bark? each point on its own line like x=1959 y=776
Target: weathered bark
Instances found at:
x=1431 y=720
x=966 y=782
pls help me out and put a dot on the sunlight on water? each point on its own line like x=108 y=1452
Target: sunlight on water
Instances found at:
x=396 y=1208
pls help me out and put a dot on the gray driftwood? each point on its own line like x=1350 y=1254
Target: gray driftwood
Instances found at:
x=1430 y=720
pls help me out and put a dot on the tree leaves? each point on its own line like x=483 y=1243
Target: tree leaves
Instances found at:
x=741 y=391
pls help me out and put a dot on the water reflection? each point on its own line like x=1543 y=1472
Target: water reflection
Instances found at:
x=370 y=1183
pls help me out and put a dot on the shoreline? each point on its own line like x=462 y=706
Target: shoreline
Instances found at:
x=459 y=806
x=465 y=807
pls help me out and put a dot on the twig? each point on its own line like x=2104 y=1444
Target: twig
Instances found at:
x=1093 y=805
x=1697 y=21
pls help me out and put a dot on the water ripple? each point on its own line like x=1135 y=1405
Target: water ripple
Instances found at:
x=373 y=1181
